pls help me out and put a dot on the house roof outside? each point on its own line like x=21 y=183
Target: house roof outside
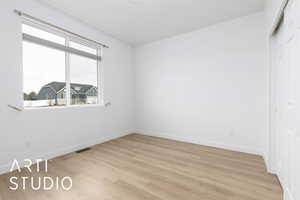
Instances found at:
x=79 y=88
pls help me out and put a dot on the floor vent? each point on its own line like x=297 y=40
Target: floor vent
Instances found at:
x=83 y=150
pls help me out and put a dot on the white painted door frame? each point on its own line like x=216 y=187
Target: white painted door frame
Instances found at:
x=273 y=104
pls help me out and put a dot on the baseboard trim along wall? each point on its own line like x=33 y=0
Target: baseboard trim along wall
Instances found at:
x=258 y=151
x=232 y=147
x=287 y=195
x=46 y=156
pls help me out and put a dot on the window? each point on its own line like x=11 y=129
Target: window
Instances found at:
x=59 y=69
x=84 y=88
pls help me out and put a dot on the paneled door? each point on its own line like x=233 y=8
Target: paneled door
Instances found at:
x=285 y=102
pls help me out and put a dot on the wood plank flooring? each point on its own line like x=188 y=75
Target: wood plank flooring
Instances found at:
x=137 y=167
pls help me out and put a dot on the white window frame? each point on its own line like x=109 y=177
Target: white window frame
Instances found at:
x=68 y=38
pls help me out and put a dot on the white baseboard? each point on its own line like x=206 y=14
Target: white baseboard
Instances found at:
x=50 y=155
x=233 y=147
x=287 y=195
x=270 y=169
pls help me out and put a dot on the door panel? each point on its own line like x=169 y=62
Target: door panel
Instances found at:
x=285 y=100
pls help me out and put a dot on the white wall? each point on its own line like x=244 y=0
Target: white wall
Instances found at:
x=209 y=86
x=49 y=132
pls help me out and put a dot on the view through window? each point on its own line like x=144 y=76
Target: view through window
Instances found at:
x=51 y=76
x=84 y=85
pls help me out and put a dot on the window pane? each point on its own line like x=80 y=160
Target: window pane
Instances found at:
x=43 y=34
x=83 y=48
x=83 y=73
x=43 y=76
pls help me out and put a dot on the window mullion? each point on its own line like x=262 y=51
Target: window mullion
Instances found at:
x=68 y=78
x=100 y=77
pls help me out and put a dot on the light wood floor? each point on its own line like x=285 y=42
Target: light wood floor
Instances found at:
x=138 y=167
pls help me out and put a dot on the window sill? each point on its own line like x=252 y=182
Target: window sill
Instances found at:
x=64 y=107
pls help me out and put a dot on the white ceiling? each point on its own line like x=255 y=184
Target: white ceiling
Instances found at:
x=141 y=21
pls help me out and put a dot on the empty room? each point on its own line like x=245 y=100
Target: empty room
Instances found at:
x=150 y=100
